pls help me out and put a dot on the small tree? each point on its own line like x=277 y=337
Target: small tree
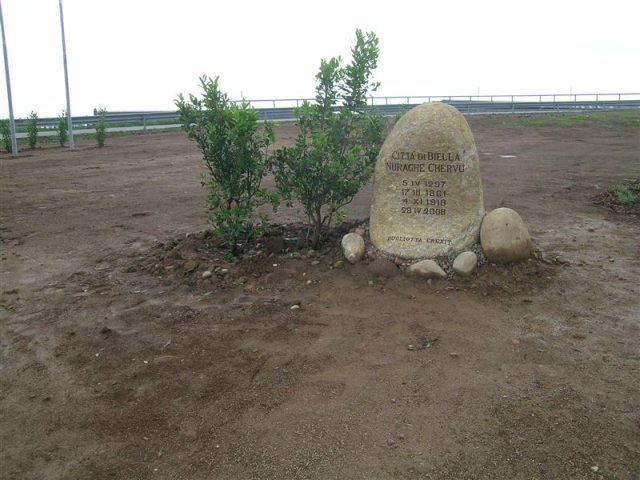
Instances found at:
x=235 y=153
x=339 y=138
x=101 y=127
x=5 y=133
x=32 y=129
x=62 y=128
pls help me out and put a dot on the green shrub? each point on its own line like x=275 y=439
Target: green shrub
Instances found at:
x=61 y=128
x=101 y=127
x=624 y=195
x=32 y=129
x=5 y=132
x=235 y=153
x=339 y=139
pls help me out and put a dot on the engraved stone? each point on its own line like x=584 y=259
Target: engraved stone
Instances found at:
x=427 y=193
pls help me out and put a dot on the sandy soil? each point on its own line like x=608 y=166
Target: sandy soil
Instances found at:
x=118 y=361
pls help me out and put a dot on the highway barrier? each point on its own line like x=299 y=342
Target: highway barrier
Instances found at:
x=283 y=109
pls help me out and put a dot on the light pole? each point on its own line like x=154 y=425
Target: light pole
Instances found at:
x=66 y=81
x=12 y=123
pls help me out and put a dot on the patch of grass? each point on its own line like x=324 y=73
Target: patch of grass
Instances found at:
x=605 y=119
x=137 y=123
x=49 y=141
x=625 y=194
x=80 y=126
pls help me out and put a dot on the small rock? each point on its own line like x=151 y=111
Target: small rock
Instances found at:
x=338 y=264
x=353 y=247
x=206 y=274
x=295 y=307
x=504 y=237
x=465 y=264
x=454 y=354
x=309 y=282
x=315 y=262
x=401 y=436
x=105 y=330
x=391 y=442
x=411 y=347
x=224 y=271
x=427 y=269
x=595 y=468
x=190 y=266
x=249 y=288
x=312 y=253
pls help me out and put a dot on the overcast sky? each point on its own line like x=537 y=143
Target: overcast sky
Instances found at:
x=139 y=54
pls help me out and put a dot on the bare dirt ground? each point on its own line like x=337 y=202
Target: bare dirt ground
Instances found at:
x=118 y=361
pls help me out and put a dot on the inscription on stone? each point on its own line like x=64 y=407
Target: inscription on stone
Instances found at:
x=427 y=196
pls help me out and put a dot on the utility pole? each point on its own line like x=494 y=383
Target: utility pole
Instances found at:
x=12 y=122
x=66 y=81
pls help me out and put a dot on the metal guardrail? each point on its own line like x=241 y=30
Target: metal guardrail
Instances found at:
x=282 y=109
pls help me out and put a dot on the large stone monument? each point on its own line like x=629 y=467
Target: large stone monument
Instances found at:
x=427 y=193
